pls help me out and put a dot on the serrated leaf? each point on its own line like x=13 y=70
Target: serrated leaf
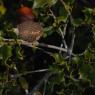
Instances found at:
x=78 y=22
x=48 y=31
x=87 y=72
x=88 y=10
x=51 y=2
x=76 y=59
x=48 y=28
x=6 y=52
x=43 y=3
x=58 y=58
x=94 y=11
x=69 y=1
x=63 y=14
x=61 y=18
x=39 y=3
x=18 y=53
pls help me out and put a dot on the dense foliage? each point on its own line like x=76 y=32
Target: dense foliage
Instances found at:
x=64 y=62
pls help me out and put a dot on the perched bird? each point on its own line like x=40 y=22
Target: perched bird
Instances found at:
x=28 y=29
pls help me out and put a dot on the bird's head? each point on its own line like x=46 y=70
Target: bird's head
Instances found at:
x=25 y=13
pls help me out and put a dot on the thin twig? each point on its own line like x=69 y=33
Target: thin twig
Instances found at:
x=29 y=72
x=52 y=14
x=60 y=30
x=70 y=49
x=47 y=75
x=45 y=78
x=73 y=38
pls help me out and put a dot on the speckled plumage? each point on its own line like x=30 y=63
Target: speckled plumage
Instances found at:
x=30 y=31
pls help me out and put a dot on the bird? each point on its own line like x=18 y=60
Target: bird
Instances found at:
x=28 y=29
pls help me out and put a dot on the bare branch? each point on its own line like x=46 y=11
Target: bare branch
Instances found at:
x=29 y=72
x=47 y=75
x=12 y=41
x=60 y=30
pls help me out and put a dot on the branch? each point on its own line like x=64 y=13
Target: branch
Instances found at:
x=67 y=8
x=45 y=78
x=52 y=47
x=60 y=30
x=29 y=72
x=70 y=50
x=35 y=45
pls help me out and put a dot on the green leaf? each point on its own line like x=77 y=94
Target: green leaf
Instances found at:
x=51 y=2
x=61 y=18
x=5 y=52
x=69 y=1
x=23 y=83
x=78 y=22
x=88 y=10
x=87 y=72
x=63 y=14
x=48 y=28
x=58 y=59
x=39 y=3
x=43 y=3
x=18 y=53
x=76 y=59
x=48 y=31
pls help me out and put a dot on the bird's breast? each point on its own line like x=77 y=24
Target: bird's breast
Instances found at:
x=30 y=31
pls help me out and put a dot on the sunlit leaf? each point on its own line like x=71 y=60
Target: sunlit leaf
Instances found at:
x=39 y=3
x=61 y=18
x=76 y=59
x=18 y=53
x=63 y=14
x=88 y=10
x=48 y=31
x=43 y=3
x=58 y=59
x=51 y=2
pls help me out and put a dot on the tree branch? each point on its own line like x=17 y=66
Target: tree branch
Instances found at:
x=60 y=30
x=45 y=78
x=70 y=49
x=29 y=72
x=35 y=45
